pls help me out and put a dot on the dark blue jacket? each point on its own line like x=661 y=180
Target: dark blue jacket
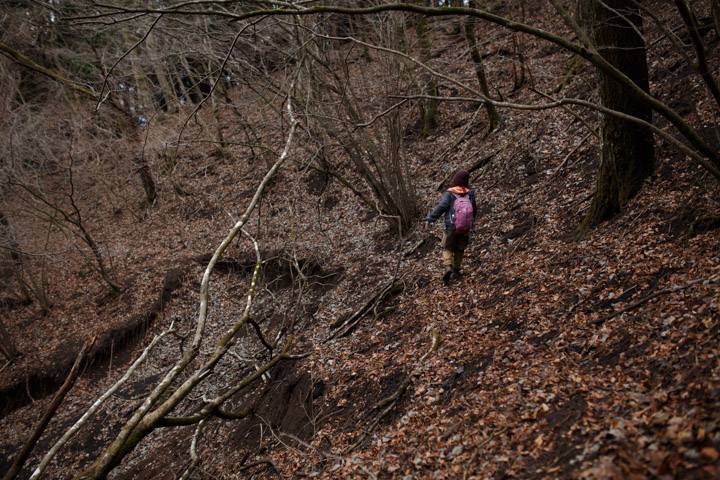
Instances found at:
x=446 y=203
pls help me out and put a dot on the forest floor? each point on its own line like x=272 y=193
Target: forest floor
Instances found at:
x=550 y=357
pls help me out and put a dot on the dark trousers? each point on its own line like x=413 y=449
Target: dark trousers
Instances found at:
x=454 y=248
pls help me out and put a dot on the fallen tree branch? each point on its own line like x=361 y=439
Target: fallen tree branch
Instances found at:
x=50 y=411
x=194 y=457
x=633 y=306
x=95 y=406
x=405 y=383
x=263 y=461
x=157 y=404
x=378 y=299
x=360 y=311
x=417 y=245
x=349 y=460
x=392 y=399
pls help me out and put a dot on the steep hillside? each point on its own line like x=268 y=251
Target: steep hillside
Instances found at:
x=550 y=357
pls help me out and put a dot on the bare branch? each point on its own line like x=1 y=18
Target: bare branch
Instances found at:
x=50 y=411
x=95 y=406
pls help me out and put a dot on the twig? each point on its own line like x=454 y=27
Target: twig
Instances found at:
x=194 y=457
x=392 y=400
x=542 y=184
x=479 y=446
x=570 y=111
x=27 y=390
x=50 y=412
x=6 y=365
x=633 y=306
x=329 y=455
x=260 y=335
x=262 y=461
x=567 y=157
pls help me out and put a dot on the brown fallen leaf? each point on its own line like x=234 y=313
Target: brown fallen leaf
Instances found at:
x=709 y=453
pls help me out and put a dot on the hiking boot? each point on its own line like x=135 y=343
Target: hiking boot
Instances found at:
x=447 y=274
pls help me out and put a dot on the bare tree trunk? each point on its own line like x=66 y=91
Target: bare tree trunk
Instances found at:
x=218 y=139
x=146 y=178
x=154 y=411
x=8 y=242
x=49 y=412
x=627 y=156
x=192 y=88
x=428 y=107
x=7 y=347
x=142 y=85
x=519 y=46
x=493 y=115
x=76 y=219
x=30 y=286
x=167 y=89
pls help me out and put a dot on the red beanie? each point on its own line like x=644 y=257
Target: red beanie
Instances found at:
x=461 y=178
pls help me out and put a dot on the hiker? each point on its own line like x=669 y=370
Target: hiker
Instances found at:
x=458 y=206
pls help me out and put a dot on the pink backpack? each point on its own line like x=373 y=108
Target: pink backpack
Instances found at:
x=462 y=213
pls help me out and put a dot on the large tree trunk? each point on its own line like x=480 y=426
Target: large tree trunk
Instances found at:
x=627 y=150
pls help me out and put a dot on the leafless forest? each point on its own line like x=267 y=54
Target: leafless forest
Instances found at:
x=213 y=266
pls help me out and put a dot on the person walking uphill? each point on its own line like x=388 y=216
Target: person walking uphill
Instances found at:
x=459 y=208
